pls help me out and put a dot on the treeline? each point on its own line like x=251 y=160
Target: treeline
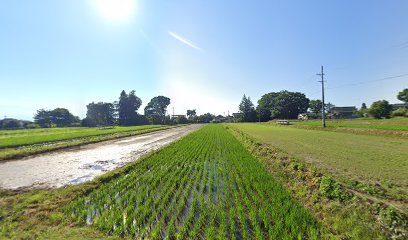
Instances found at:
x=288 y=105
x=273 y=105
x=122 y=112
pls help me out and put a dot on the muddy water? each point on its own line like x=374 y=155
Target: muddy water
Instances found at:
x=79 y=164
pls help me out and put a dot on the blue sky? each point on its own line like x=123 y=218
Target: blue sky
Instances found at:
x=204 y=55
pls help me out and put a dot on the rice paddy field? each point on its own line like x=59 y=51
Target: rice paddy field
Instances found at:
x=15 y=138
x=211 y=185
x=20 y=143
x=206 y=186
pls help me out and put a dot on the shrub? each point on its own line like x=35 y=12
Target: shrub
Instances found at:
x=380 y=109
x=331 y=189
x=400 y=112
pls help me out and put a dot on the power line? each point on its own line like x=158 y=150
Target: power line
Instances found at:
x=364 y=82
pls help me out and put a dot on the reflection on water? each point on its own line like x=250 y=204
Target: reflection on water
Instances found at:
x=77 y=165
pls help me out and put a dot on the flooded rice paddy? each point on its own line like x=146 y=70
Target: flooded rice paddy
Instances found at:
x=78 y=164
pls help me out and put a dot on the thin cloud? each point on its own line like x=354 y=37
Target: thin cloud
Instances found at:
x=185 y=41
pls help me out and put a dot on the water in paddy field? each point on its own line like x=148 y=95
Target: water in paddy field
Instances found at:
x=79 y=164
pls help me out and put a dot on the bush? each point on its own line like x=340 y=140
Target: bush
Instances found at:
x=400 y=112
x=331 y=189
x=32 y=126
x=380 y=109
x=86 y=122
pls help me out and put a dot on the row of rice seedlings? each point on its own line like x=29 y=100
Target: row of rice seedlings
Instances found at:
x=172 y=229
x=187 y=224
x=290 y=219
x=199 y=223
x=249 y=206
x=162 y=202
x=222 y=233
x=162 y=215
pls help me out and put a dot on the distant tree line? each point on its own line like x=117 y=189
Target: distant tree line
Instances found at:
x=11 y=123
x=59 y=117
x=273 y=105
x=383 y=109
x=288 y=105
x=123 y=112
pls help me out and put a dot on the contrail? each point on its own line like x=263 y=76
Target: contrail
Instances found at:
x=185 y=41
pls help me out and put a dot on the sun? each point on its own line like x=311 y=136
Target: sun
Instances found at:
x=114 y=10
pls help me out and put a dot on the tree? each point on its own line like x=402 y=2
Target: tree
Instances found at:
x=63 y=118
x=284 y=104
x=10 y=123
x=59 y=117
x=191 y=113
x=43 y=118
x=181 y=120
x=157 y=106
x=329 y=107
x=205 y=118
x=315 y=106
x=403 y=95
x=363 y=112
x=127 y=109
x=246 y=107
x=380 y=109
x=156 y=119
x=99 y=114
x=400 y=112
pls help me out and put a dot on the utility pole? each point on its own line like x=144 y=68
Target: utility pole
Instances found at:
x=323 y=113
x=173 y=112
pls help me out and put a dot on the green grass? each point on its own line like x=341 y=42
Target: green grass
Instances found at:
x=15 y=138
x=374 y=160
x=204 y=186
x=393 y=124
x=20 y=143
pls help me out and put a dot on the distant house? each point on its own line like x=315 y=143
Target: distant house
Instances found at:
x=343 y=112
x=236 y=115
x=307 y=116
x=177 y=116
x=395 y=106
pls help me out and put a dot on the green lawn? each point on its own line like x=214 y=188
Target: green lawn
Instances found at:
x=394 y=124
x=371 y=159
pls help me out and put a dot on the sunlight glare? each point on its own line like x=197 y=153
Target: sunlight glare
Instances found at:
x=115 y=10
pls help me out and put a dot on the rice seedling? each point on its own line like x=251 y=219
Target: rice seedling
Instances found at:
x=204 y=186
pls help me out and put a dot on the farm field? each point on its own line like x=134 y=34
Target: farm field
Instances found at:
x=14 y=138
x=394 y=124
x=216 y=189
x=18 y=143
x=374 y=160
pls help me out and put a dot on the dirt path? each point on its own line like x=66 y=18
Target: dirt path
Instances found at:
x=83 y=163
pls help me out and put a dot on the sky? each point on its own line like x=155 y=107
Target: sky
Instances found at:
x=203 y=54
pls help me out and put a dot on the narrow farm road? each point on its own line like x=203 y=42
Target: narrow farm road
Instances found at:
x=83 y=163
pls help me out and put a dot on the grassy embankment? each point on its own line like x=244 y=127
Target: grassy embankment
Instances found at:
x=396 y=126
x=216 y=189
x=372 y=167
x=20 y=143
